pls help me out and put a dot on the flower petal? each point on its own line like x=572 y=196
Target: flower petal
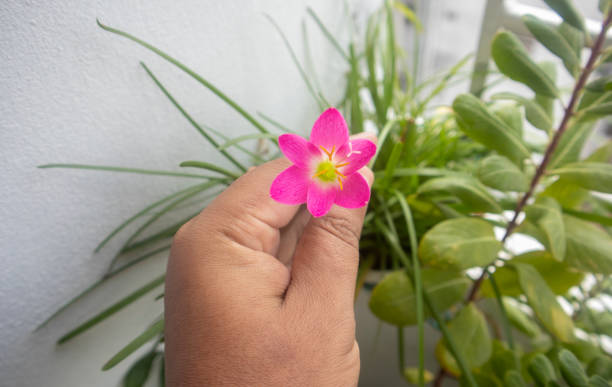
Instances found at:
x=298 y=150
x=320 y=198
x=290 y=186
x=357 y=152
x=329 y=130
x=355 y=192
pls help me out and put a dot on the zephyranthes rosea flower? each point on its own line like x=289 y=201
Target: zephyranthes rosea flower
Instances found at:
x=324 y=169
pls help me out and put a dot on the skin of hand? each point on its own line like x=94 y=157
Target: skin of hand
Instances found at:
x=260 y=293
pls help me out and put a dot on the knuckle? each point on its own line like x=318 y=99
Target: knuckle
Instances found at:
x=341 y=228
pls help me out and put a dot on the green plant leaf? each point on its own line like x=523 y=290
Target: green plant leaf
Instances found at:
x=409 y=15
x=513 y=378
x=411 y=375
x=598 y=322
x=571 y=144
x=567 y=11
x=535 y=114
x=469 y=329
x=559 y=276
x=469 y=190
x=479 y=123
x=595 y=111
x=598 y=381
x=511 y=114
x=589 y=248
x=554 y=41
x=394 y=300
x=116 y=307
x=210 y=167
x=600 y=365
x=547 y=103
x=237 y=140
x=513 y=60
x=544 y=302
x=572 y=370
x=541 y=370
x=545 y=213
x=139 y=372
x=573 y=36
x=126 y=170
x=590 y=175
x=520 y=319
x=459 y=243
x=326 y=33
x=150 y=333
x=500 y=173
x=190 y=72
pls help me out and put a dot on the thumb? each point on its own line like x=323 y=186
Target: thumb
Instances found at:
x=326 y=259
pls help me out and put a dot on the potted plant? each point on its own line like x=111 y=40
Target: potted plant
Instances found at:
x=446 y=178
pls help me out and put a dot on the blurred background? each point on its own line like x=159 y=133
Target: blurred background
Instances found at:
x=71 y=92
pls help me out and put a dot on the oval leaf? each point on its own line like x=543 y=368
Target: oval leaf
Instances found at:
x=471 y=334
x=479 y=123
x=572 y=370
x=466 y=188
x=544 y=302
x=567 y=11
x=513 y=60
x=498 y=172
x=589 y=248
x=139 y=372
x=552 y=39
x=393 y=300
x=511 y=114
x=590 y=175
x=459 y=244
x=571 y=144
x=545 y=213
x=535 y=114
x=541 y=370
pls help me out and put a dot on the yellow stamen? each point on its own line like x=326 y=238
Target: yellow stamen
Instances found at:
x=332 y=152
x=340 y=182
x=326 y=151
x=342 y=165
x=338 y=173
x=320 y=172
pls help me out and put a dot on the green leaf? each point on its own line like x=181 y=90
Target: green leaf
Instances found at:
x=326 y=33
x=567 y=11
x=548 y=103
x=409 y=15
x=116 y=307
x=458 y=244
x=558 y=275
x=552 y=39
x=598 y=381
x=534 y=113
x=600 y=365
x=513 y=60
x=545 y=213
x=573 y=36
x=590 y=175
x=600 y=85
x=394 y=300
x=500 y=173
x=541 y=370
x=191 y=73
x=469 y=190
x=210 y=167
x=471 y=333
x=598 y=322
x=572 y=371
x=126 y=170
x=595 y=111
x=511 y=114
x=520 y=320
x=544 y=302
x=246 y=137
x=513 y=378
x=479 y=123
x=139 y=372
x=571 y=144
x=151 y=332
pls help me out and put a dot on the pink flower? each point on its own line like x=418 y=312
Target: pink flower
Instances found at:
x=324 y=169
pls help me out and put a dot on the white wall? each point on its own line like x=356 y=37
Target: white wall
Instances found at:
x=72 y=92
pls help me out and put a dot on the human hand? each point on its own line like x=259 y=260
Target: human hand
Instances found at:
x=261 y=293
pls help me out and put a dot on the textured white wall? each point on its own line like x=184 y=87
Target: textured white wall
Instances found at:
x=72 y=92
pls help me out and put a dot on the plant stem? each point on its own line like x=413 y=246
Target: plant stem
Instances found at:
x=569 y=112
x=550 y=149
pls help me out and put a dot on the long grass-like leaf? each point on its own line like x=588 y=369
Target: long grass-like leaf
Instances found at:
x=313 y=92
x=390 y=77
x=191 y=73
x=190 y=119
x=276 y=123
x=209 y=167
x=504 y=319
x=246 y=137
x=310 y=65
x=257 y=158
x=326 y=32
x=418 y=285
x=96 y=284
x=111 y=310
x=167 y=232
x=382 y=138
x=139 y=214
x=126 y=170
x=146 y=336
x=442 y=84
